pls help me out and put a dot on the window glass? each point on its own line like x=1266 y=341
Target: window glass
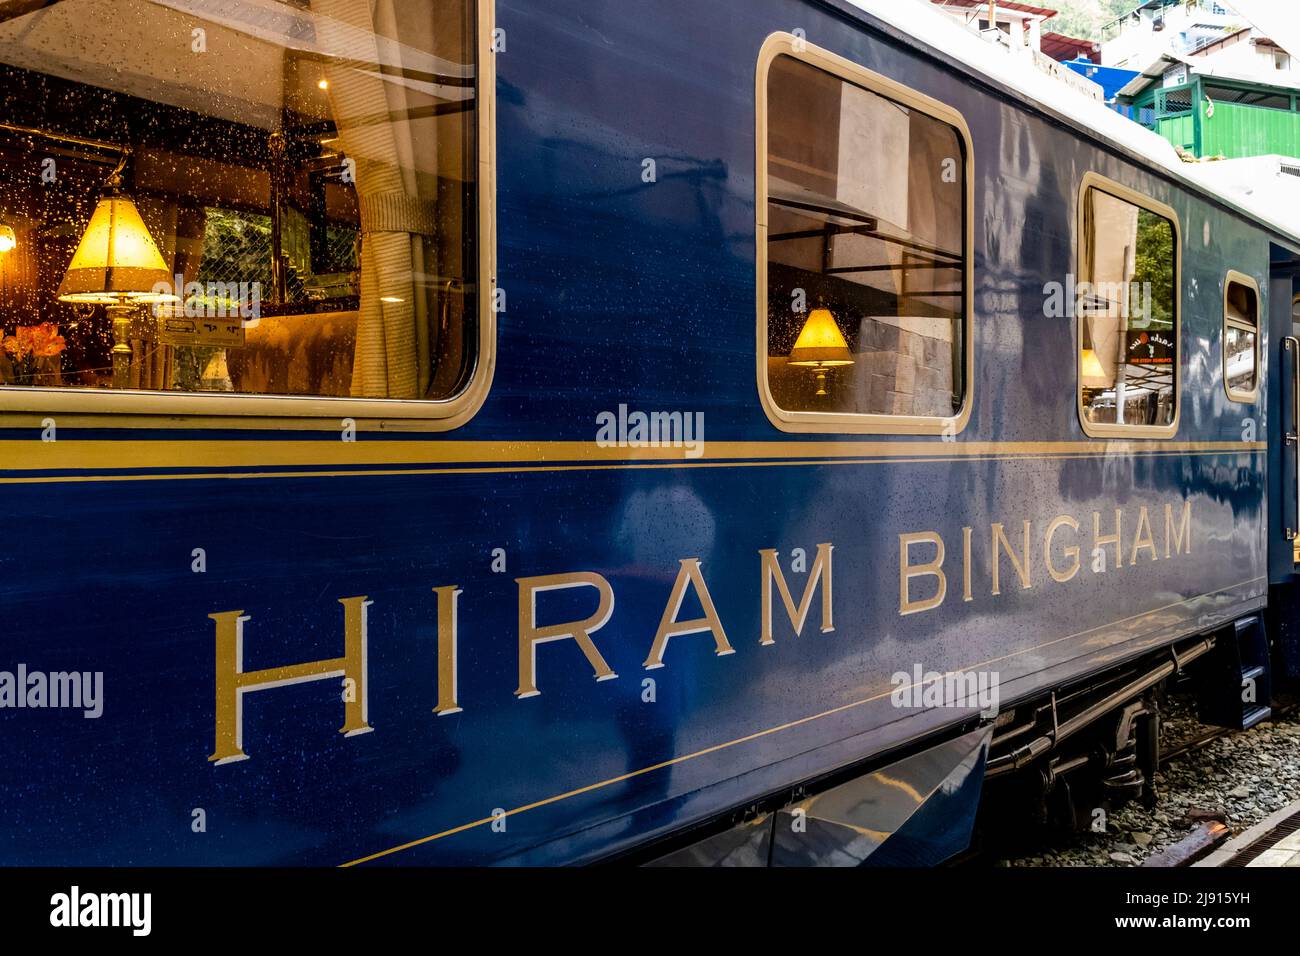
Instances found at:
x=273 y=198
x=1240 y=339
x=866 y=206
x=1127 y=314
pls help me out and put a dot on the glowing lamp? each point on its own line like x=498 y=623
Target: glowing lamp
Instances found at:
x=1090 y=365
x=8 y=238
x=1092 y=374
x=820 y=346
x=117 y=265
x=117 y=260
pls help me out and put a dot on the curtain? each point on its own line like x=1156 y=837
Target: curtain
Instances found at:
x=387 y=126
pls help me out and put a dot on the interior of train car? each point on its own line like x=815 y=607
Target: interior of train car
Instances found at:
x=188 y=220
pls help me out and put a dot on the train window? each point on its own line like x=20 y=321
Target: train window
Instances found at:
x=1128 y=313
x=864 y=217
x=275 y=209
x=1241 y=337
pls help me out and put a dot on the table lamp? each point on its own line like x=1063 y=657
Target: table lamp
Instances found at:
x=820 y=346
x=117 y=265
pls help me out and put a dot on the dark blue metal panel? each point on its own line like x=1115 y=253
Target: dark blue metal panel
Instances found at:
x=1282 y=403
x=1284 y=462
x=618 y=292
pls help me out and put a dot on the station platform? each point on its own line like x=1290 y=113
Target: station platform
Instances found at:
x=1273 y=842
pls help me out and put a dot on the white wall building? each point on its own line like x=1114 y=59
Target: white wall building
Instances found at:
x=1166 y=26
x=1248 y=52
x=1018 y=27
x=1020 y=23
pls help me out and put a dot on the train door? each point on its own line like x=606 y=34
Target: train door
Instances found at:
x=1283 y=378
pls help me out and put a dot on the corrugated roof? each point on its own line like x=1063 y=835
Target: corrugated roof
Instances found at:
x=1154 y=73
x=1061 y=47
x=1043 y=12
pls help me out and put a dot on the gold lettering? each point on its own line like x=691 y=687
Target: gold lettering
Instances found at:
x=530 y=634
x=1072 y=552
x=772 y=569
x=1100 y=541
x=232 y=681
x=669 y=626
x=907 y=571
x=1022 y=564
x=965 y=565
x=1141 y=542
x=447 y=663
x=1184 y=535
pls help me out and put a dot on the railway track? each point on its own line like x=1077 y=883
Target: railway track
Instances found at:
x=1287 y=707
x=1213 y=783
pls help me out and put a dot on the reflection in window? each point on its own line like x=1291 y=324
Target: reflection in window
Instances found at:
x=1240 y=339
x=278 y=199
x=1127 y=313
x=865 y=247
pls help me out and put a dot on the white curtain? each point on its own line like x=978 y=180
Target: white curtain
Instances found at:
x=386 y=127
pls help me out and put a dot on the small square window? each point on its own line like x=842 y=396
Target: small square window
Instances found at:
x=1241 y=337
x=1128 y=313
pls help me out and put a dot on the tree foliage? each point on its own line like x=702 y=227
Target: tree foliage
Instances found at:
x=1154 y=266
x=1085 y=18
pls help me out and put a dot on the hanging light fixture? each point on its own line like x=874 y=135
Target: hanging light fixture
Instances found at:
x=117 y=265
x=8 y=238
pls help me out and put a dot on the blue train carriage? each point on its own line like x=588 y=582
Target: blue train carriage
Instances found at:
x=445 y=431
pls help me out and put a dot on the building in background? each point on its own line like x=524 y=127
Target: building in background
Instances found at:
x=1211 y=111
x=1246 y=51
x=1018 y=27
x=1234 y=97
x=1020 y=23
x=1219 y=81
x=1065 y=49
x=1165 y=26
x=1204 y=76
x=1111 y=79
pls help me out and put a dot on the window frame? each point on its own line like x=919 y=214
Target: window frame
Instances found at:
x=20 y=406
x=1240 y=278
x=1094 y=180
x=859 y=423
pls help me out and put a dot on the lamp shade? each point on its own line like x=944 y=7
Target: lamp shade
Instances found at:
x=1090 y=367
x=116 y=260
x=820 y=343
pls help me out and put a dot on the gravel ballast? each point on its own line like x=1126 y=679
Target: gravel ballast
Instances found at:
x=1247 y=776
